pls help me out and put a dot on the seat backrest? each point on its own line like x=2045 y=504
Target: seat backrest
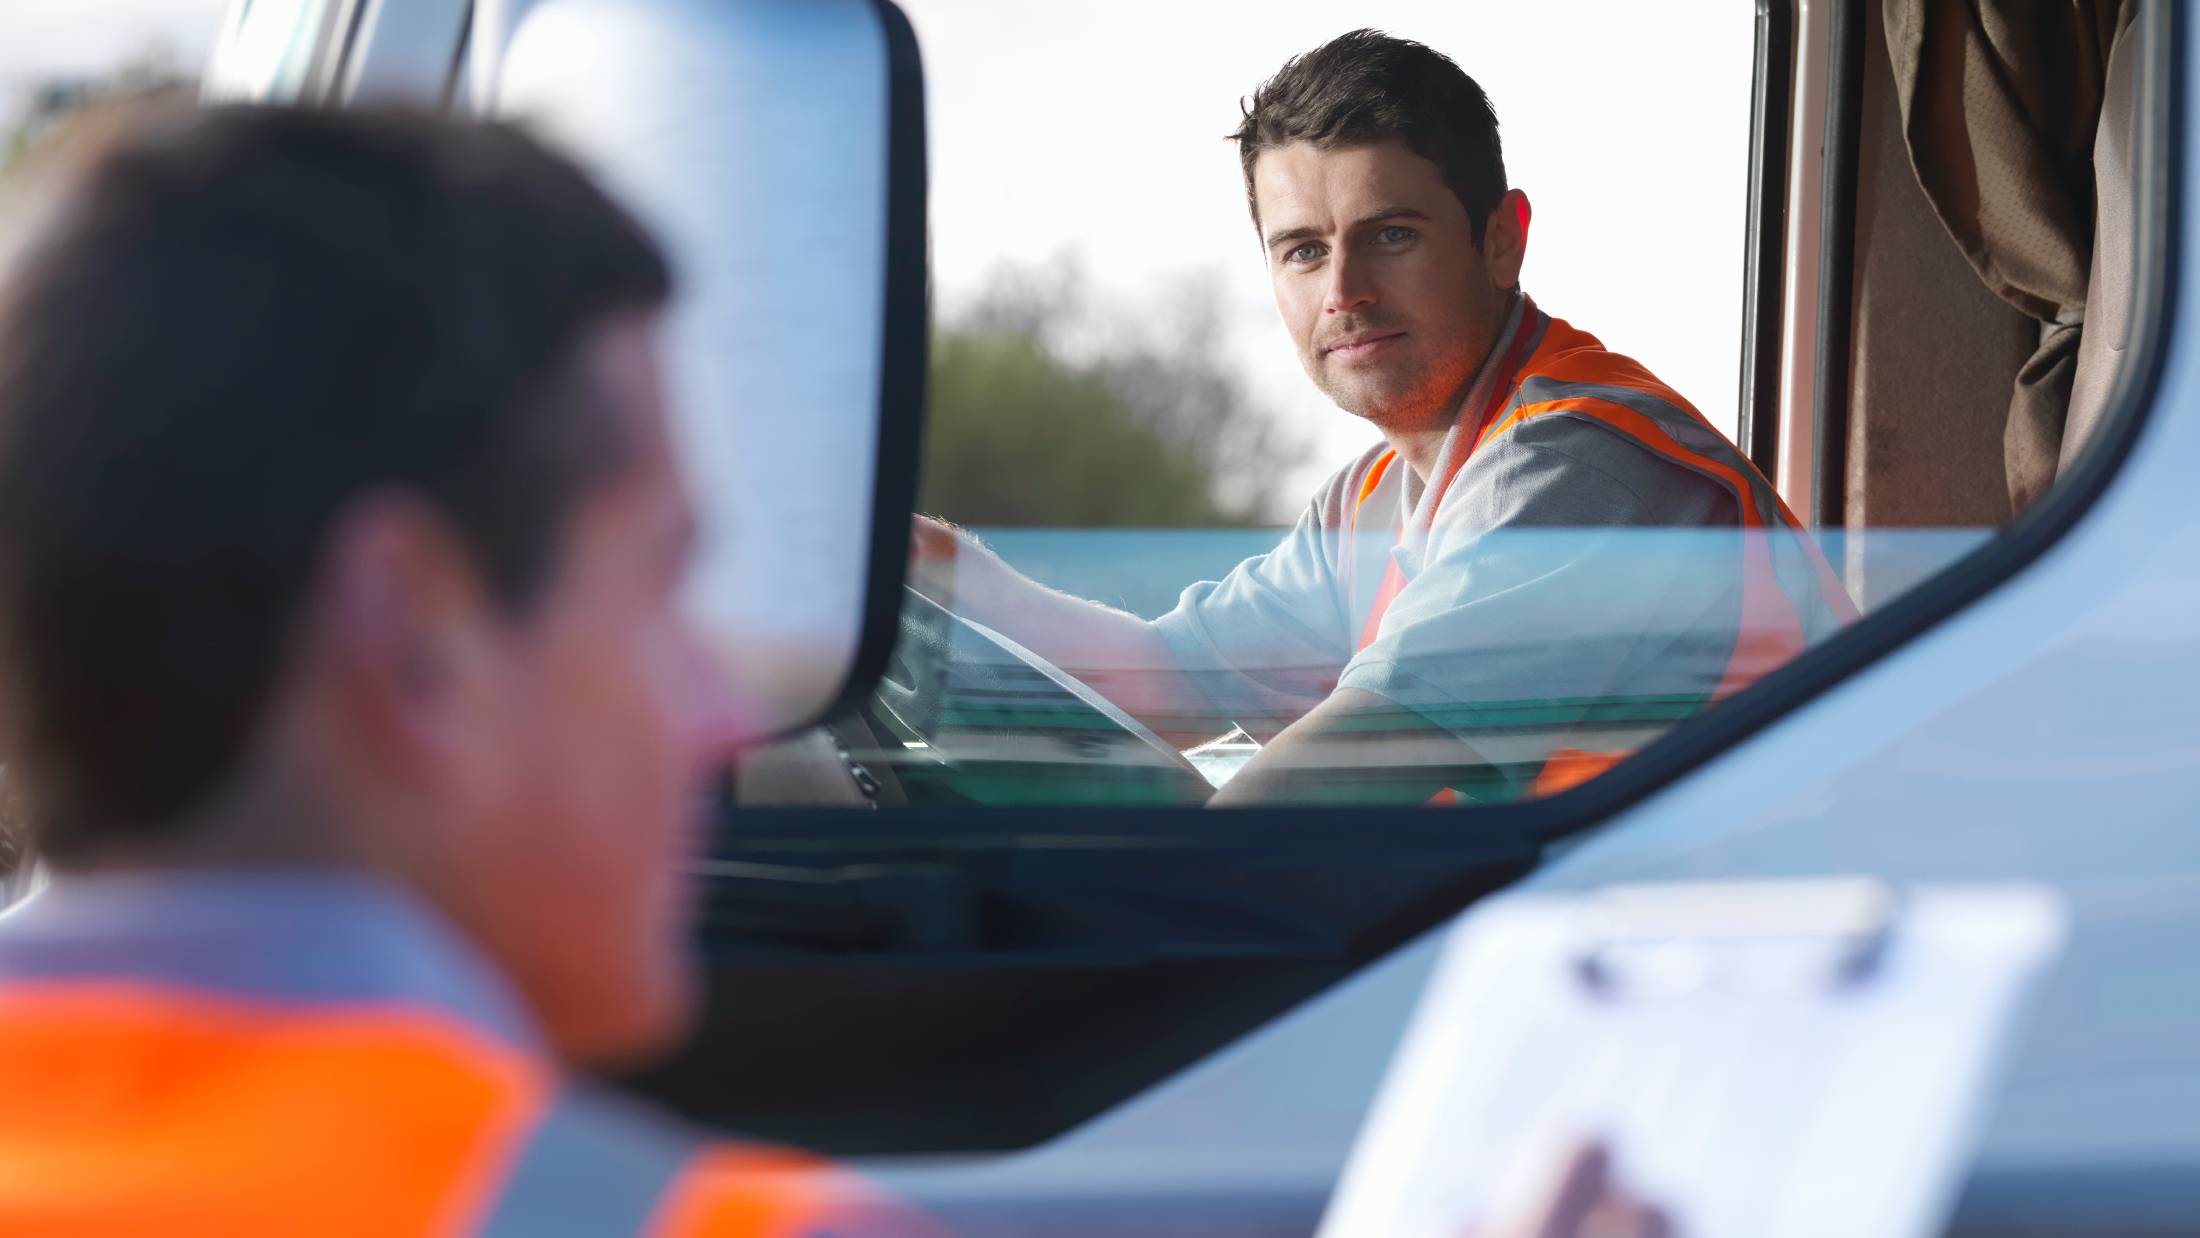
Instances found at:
x=2108 y=294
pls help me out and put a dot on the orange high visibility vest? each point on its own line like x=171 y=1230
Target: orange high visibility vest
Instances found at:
x=130 y=1108
x=1550 y=369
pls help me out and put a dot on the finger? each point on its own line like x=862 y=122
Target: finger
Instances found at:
x=1618 y=1217
x=930 y=539
x=1581 y=1181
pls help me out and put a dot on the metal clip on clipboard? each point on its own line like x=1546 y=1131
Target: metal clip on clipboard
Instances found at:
x=1744 y=940
x=1801 y=1058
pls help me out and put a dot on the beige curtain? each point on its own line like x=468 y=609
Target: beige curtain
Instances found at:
x=1999 y=103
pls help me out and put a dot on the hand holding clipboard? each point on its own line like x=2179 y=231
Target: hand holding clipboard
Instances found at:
x=1582 y=1200
x=1789 y=1058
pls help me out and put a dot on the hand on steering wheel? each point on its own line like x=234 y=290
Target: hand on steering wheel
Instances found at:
x=1000 y=724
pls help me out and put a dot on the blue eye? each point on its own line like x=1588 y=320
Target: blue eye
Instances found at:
x=1395 y=234
x=1304 y=253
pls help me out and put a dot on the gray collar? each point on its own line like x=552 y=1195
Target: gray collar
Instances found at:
x=276 y=936
x=1418 y=499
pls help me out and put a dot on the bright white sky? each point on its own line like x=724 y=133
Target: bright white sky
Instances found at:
x=44 y=39
x=1096 y=127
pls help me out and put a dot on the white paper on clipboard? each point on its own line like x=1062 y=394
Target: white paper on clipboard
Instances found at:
x=1803 y=1059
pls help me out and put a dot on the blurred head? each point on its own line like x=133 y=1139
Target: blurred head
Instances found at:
x=339 y=524
x=1377 y=186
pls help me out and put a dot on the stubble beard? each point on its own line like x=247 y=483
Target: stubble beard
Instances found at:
x=1414 y=400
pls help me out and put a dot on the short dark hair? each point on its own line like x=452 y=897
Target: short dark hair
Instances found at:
x=238 y=323
x=1367 y=86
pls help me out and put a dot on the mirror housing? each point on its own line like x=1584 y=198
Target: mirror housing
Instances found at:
x=776 y=147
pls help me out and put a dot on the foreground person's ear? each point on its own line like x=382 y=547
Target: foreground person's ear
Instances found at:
x=400 y=605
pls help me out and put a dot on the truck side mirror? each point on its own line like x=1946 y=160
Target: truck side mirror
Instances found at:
x=777 y=149
x=776 y=146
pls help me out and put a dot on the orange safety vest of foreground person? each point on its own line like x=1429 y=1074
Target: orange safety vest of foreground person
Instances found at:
x=249 y=1054
x=1548 y=368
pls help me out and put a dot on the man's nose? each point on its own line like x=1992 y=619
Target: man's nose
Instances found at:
x=717 y=717
x=1349 y=286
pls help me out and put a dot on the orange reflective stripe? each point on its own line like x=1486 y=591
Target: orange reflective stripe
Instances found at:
x=1388 y=590
x=1374 y=478
x=1394 y=583
x=1394 y=579
x=132 y=1109
x=1513 y=418
x=741 y=1192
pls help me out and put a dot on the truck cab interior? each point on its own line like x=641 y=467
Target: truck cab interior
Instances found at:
x=1981 y=194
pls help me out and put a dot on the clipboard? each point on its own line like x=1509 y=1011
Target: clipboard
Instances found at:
x=1800 y=1058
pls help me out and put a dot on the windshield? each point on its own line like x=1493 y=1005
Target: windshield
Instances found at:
x=268 y=52
x=1390 y=467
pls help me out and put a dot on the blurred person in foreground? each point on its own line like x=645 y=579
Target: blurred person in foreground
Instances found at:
x=342 y=686
x=347 y=700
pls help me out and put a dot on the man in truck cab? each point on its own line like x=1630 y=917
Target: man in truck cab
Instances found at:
x=347 y=702
x=1548 y=556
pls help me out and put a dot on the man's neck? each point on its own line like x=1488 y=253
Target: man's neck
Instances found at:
x=1420 y=441
x=260 y=824
x=1420 y=449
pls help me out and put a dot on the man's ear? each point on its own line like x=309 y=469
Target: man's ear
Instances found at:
x=1505 y=239
x=400 y=628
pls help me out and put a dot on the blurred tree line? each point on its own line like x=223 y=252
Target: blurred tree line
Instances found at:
x=1046 y=410
x=50 y=106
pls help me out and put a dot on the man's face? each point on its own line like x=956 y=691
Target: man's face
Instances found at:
x=609 y=720
x=1378 y=278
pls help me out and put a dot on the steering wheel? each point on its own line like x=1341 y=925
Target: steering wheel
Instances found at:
x=984 y=720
